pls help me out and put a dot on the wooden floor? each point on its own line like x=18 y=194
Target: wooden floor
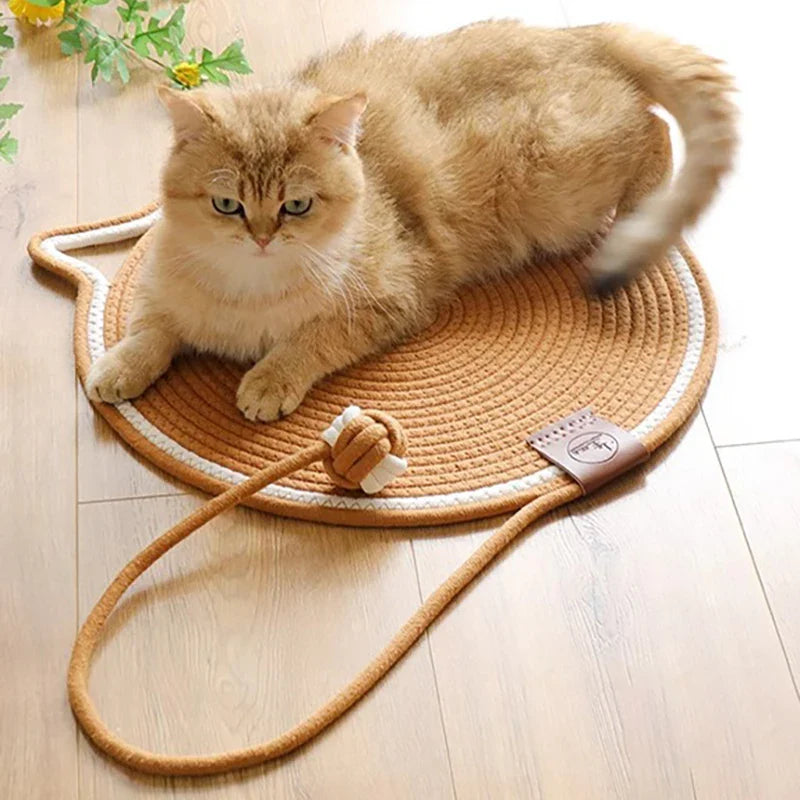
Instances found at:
x=644 y=645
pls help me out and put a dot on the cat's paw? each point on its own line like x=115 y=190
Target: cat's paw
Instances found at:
x=121 y=373
x=268 y=392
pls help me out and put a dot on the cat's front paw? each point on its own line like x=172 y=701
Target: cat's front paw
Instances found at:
x=269 y=391
x=124 y=372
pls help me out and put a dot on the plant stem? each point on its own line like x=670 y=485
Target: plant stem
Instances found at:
x=136 y=55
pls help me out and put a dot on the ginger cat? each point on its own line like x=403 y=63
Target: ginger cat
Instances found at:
x=304 y=230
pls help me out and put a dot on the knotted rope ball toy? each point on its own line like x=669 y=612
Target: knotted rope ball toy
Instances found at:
x=367 y=450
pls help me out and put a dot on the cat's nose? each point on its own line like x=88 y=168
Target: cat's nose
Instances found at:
x=263 y=241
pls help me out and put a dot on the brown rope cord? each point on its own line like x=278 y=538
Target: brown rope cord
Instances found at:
x=371 y=433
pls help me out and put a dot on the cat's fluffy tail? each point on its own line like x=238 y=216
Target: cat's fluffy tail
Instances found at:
x=693 y=88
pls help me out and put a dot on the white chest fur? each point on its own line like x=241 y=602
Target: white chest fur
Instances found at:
x=239 y=330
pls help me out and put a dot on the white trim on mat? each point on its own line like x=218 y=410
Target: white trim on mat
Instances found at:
x=56 y=245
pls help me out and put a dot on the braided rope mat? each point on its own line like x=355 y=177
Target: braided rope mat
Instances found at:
x=502 y=361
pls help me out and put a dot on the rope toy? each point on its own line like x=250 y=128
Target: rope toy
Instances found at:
x=359 y=449
x=367 y=450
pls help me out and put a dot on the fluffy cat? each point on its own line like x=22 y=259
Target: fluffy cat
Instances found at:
x=303 y=230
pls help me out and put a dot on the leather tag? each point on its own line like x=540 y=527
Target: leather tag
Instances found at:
x=591 y=449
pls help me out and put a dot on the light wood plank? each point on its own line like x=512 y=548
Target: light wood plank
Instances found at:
x=345 y=18
x=37 y=445
x=246 y=628
x=624 y=650
x=746 y=242
x=124 y=136
x=764 y=480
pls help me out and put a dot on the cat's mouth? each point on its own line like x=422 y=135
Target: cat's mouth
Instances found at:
x=263 y=252
x=269 y=251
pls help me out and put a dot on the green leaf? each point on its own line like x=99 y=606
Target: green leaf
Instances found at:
x=7 y=110
x=164 y=39
x=8 y=147
x=107 y=56
x=78 y=38
x=107 y=63
x=176 y=36
x=231 y=59
x=105 y=66
x=4 y=82
x=140 y=46
x=95 y=2
x=71 y=41
x=92 y=49
x=216 y=76
x=122 y=67
x=131 y=10
x=5 y=40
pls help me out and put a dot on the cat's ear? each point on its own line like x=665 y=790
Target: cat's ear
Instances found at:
x=338 y=118
x=190 y=115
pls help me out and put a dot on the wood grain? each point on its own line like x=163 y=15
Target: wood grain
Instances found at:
x=624 y=650
x=764 y=480
x=345 y=18
x=37 y=444
x=246 y=628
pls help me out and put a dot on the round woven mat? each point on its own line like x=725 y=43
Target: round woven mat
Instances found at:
x=502 y=360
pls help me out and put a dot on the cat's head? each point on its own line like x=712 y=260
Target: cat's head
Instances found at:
x=262 y=188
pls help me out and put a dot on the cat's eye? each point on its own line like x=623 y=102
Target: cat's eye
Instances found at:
x=297 y=207
x=227 y=205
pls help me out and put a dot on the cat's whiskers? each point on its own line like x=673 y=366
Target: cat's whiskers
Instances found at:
x=351 y=275
x=326 y=287
x=348 y=274
x=185 y=255
x=194 y=262
x=333 y=289
x=331 y=279
x=350 y=283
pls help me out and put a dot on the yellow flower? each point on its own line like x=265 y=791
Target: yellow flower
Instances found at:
x=186 y=73
x=36 y=15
